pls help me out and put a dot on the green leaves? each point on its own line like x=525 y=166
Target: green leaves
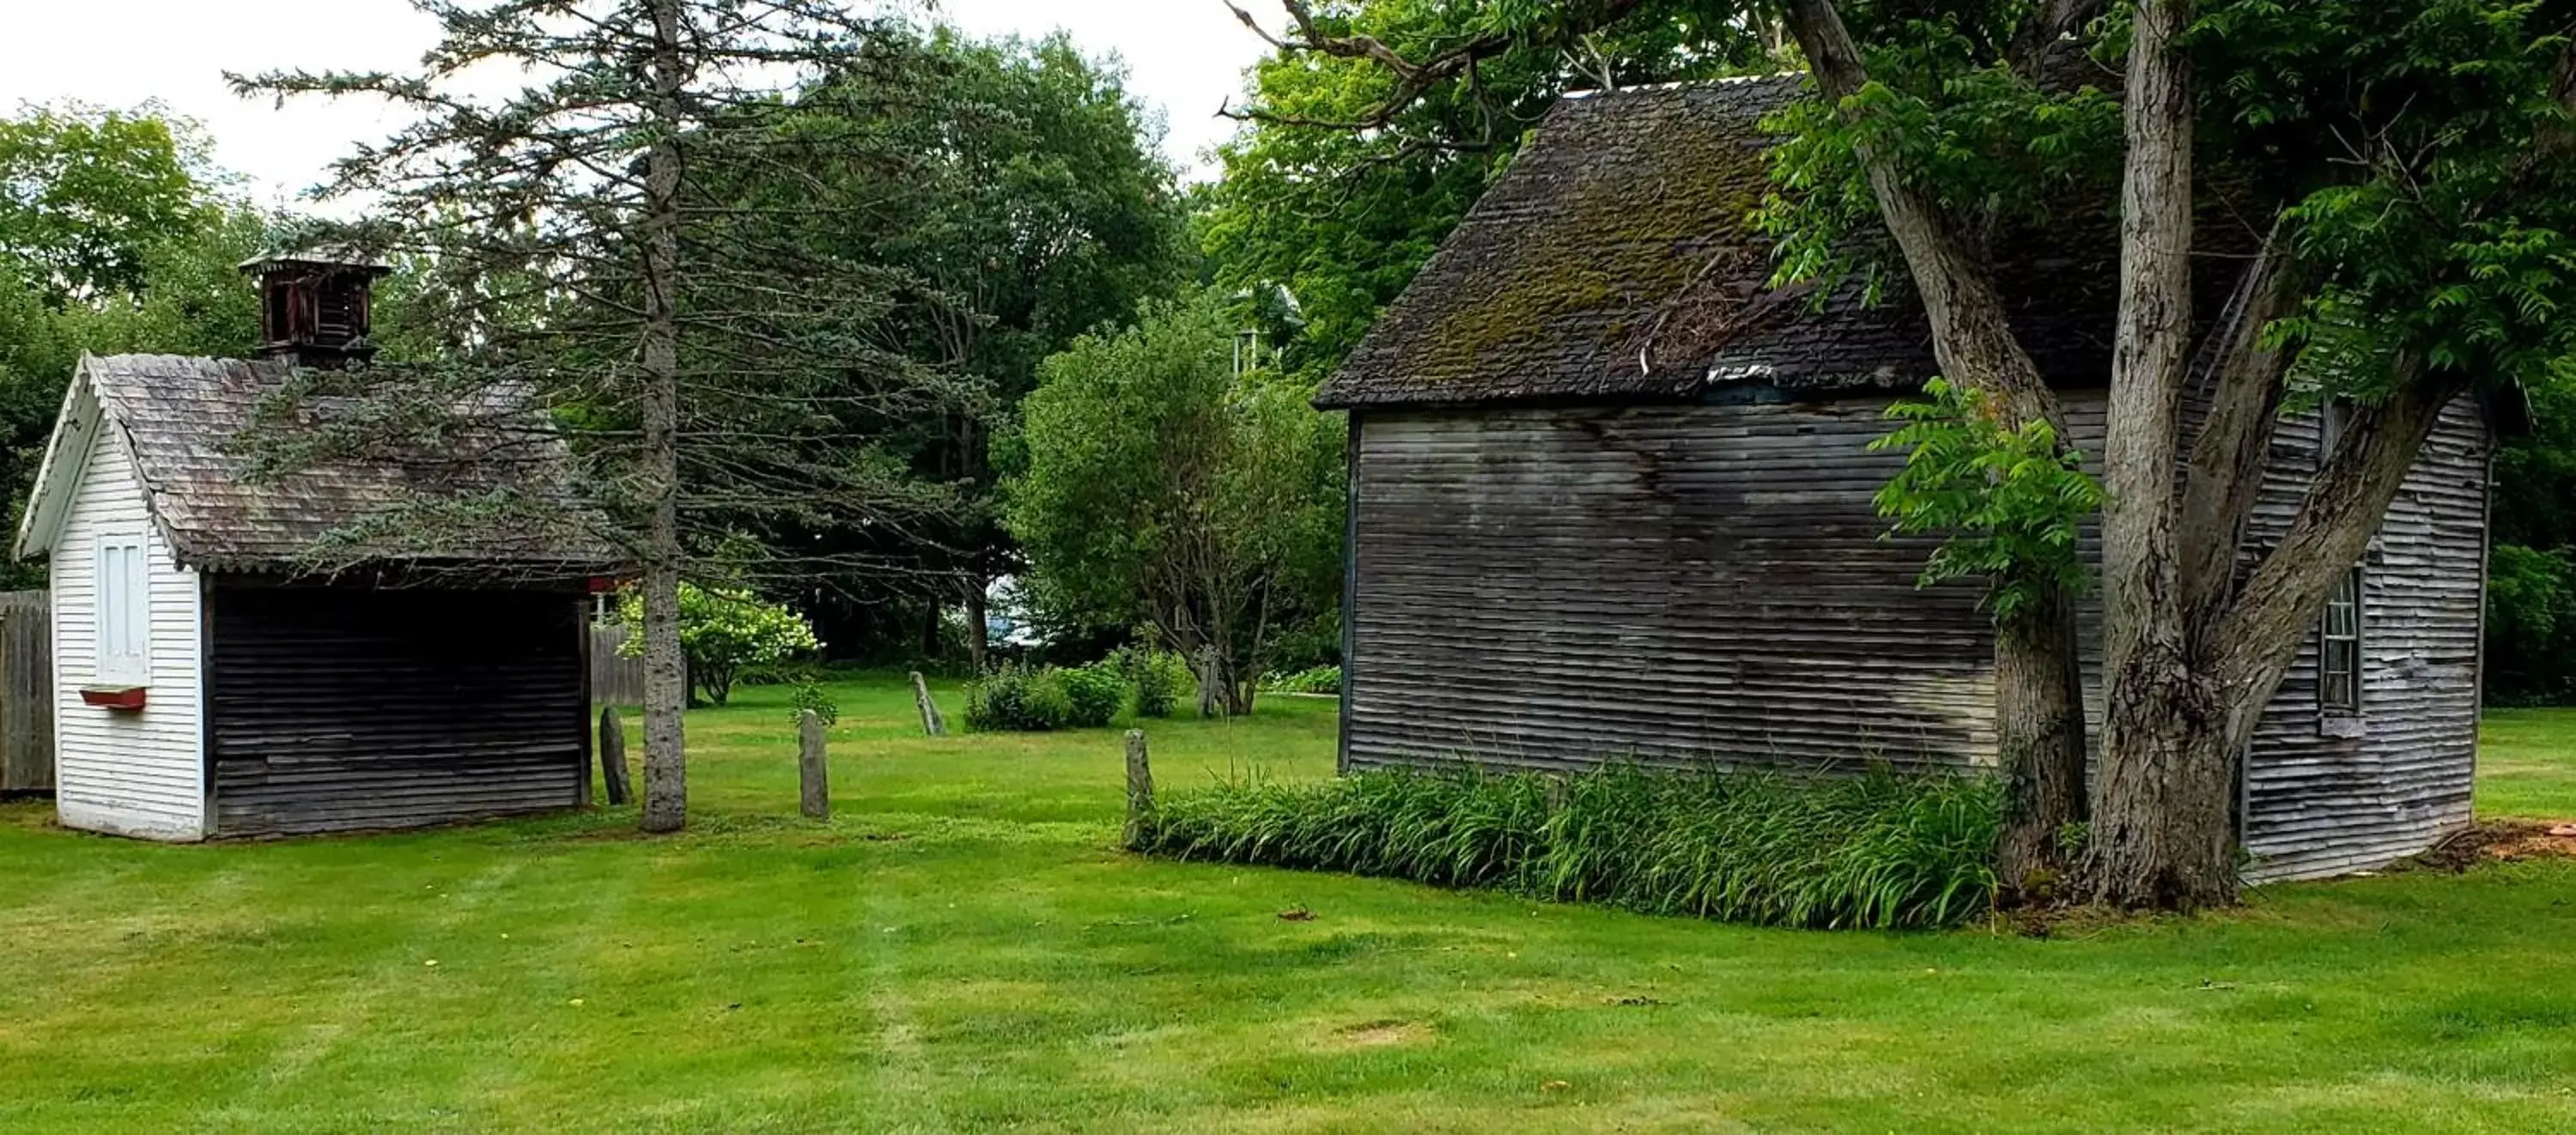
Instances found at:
x=1883 y=849
x=724 y=630
x=2010 y=503
x=86 y=195
x=2426 y=152
x=1161 y=486
x=1343 y=217
x=1981 y=138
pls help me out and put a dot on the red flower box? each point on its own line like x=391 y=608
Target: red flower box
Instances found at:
x=113 y=697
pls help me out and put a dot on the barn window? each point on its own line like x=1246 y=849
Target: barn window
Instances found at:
x=2339 y=655
x=124 y=608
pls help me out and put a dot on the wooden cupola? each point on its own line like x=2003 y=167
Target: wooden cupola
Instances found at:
x=313 y=306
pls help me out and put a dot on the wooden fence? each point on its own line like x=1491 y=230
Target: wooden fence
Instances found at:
x=615 y=679
x=26 y=692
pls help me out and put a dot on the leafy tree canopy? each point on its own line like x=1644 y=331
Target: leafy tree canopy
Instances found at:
x=1160 y=485
x=115 y=235
x=87 y=194
x=1018 y=191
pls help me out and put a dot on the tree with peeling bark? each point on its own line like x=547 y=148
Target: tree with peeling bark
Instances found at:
x=2395 y=182
x=618 y=244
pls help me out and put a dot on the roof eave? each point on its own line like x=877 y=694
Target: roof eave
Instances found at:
x=46 y=500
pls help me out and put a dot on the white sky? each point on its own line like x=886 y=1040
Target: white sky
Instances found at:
x=1183 y=57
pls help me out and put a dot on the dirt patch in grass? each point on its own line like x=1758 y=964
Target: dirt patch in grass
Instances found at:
x=2502 y=841
x=1378 y=1034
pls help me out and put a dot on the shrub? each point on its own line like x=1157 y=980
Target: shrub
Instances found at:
x=1160 y=678
x=1312 y=680
x=1096 y=694
x=1031 y=699
x=1000 y=701
x=723 y=632
x=2531 y=625
x=1878 y=850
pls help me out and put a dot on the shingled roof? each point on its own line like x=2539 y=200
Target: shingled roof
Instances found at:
x=1616 y=260
x=178 y=419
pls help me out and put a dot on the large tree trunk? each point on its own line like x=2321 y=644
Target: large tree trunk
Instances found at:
x=2039 y=709
x=2161 y=815
x=666 y=786
x=2039 y=731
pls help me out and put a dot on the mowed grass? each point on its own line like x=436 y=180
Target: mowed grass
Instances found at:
x=2527 y=763
x=962 y=948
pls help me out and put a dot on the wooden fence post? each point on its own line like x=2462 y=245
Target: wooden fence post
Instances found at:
x=931 y=724
x=612 y=755
x=1140 y=790
x=813 y=776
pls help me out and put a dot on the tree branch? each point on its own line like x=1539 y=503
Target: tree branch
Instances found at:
x=2260 y=633
x=2243 y=379
x=1415 y=79
x=1972 y=338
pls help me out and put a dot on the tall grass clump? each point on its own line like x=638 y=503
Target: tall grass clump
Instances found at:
x=1878 y=850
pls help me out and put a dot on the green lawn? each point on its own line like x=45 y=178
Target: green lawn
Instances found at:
x=2527 y=763
x=961 y=948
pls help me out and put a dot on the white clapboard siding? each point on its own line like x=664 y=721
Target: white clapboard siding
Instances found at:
x=131 y=773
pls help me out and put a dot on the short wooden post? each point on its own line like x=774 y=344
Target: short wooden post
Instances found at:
x=1140 y=790
x=813 y=775
x=1207 y=684
x=931 y=724
x=612 y=756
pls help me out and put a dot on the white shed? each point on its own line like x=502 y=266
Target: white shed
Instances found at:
x=211 y=678
x=126 y=627
x=265 y=655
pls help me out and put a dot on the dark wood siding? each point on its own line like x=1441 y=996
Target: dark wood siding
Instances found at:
x=349 y=708
x=26 y=691
x=1550 y=588
x=1547 y=588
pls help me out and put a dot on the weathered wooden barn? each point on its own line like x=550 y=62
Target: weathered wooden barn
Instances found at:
x=210 y=681
x=1611 y=499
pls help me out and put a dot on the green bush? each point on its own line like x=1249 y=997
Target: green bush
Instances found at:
x=1031 y=699
x=1878 y=850
x=724 y=633
x=1095 y=693
x=1312 y=680
x=1159 y=677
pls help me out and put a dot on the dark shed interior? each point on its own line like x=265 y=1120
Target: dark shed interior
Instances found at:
x=341 y=708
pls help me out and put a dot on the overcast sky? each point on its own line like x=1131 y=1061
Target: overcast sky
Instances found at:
x=1184 y=57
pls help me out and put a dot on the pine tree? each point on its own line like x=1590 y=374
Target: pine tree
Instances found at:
x=618 y=245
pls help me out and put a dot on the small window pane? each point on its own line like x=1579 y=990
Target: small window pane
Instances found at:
x=2339 y=648
x=137 y=619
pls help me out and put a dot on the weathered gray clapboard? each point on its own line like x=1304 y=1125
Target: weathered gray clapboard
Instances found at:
x=26 y=692
x=615 y=679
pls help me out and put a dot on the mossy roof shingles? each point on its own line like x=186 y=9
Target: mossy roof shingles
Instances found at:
x=180 y=415
x=1616 y=260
